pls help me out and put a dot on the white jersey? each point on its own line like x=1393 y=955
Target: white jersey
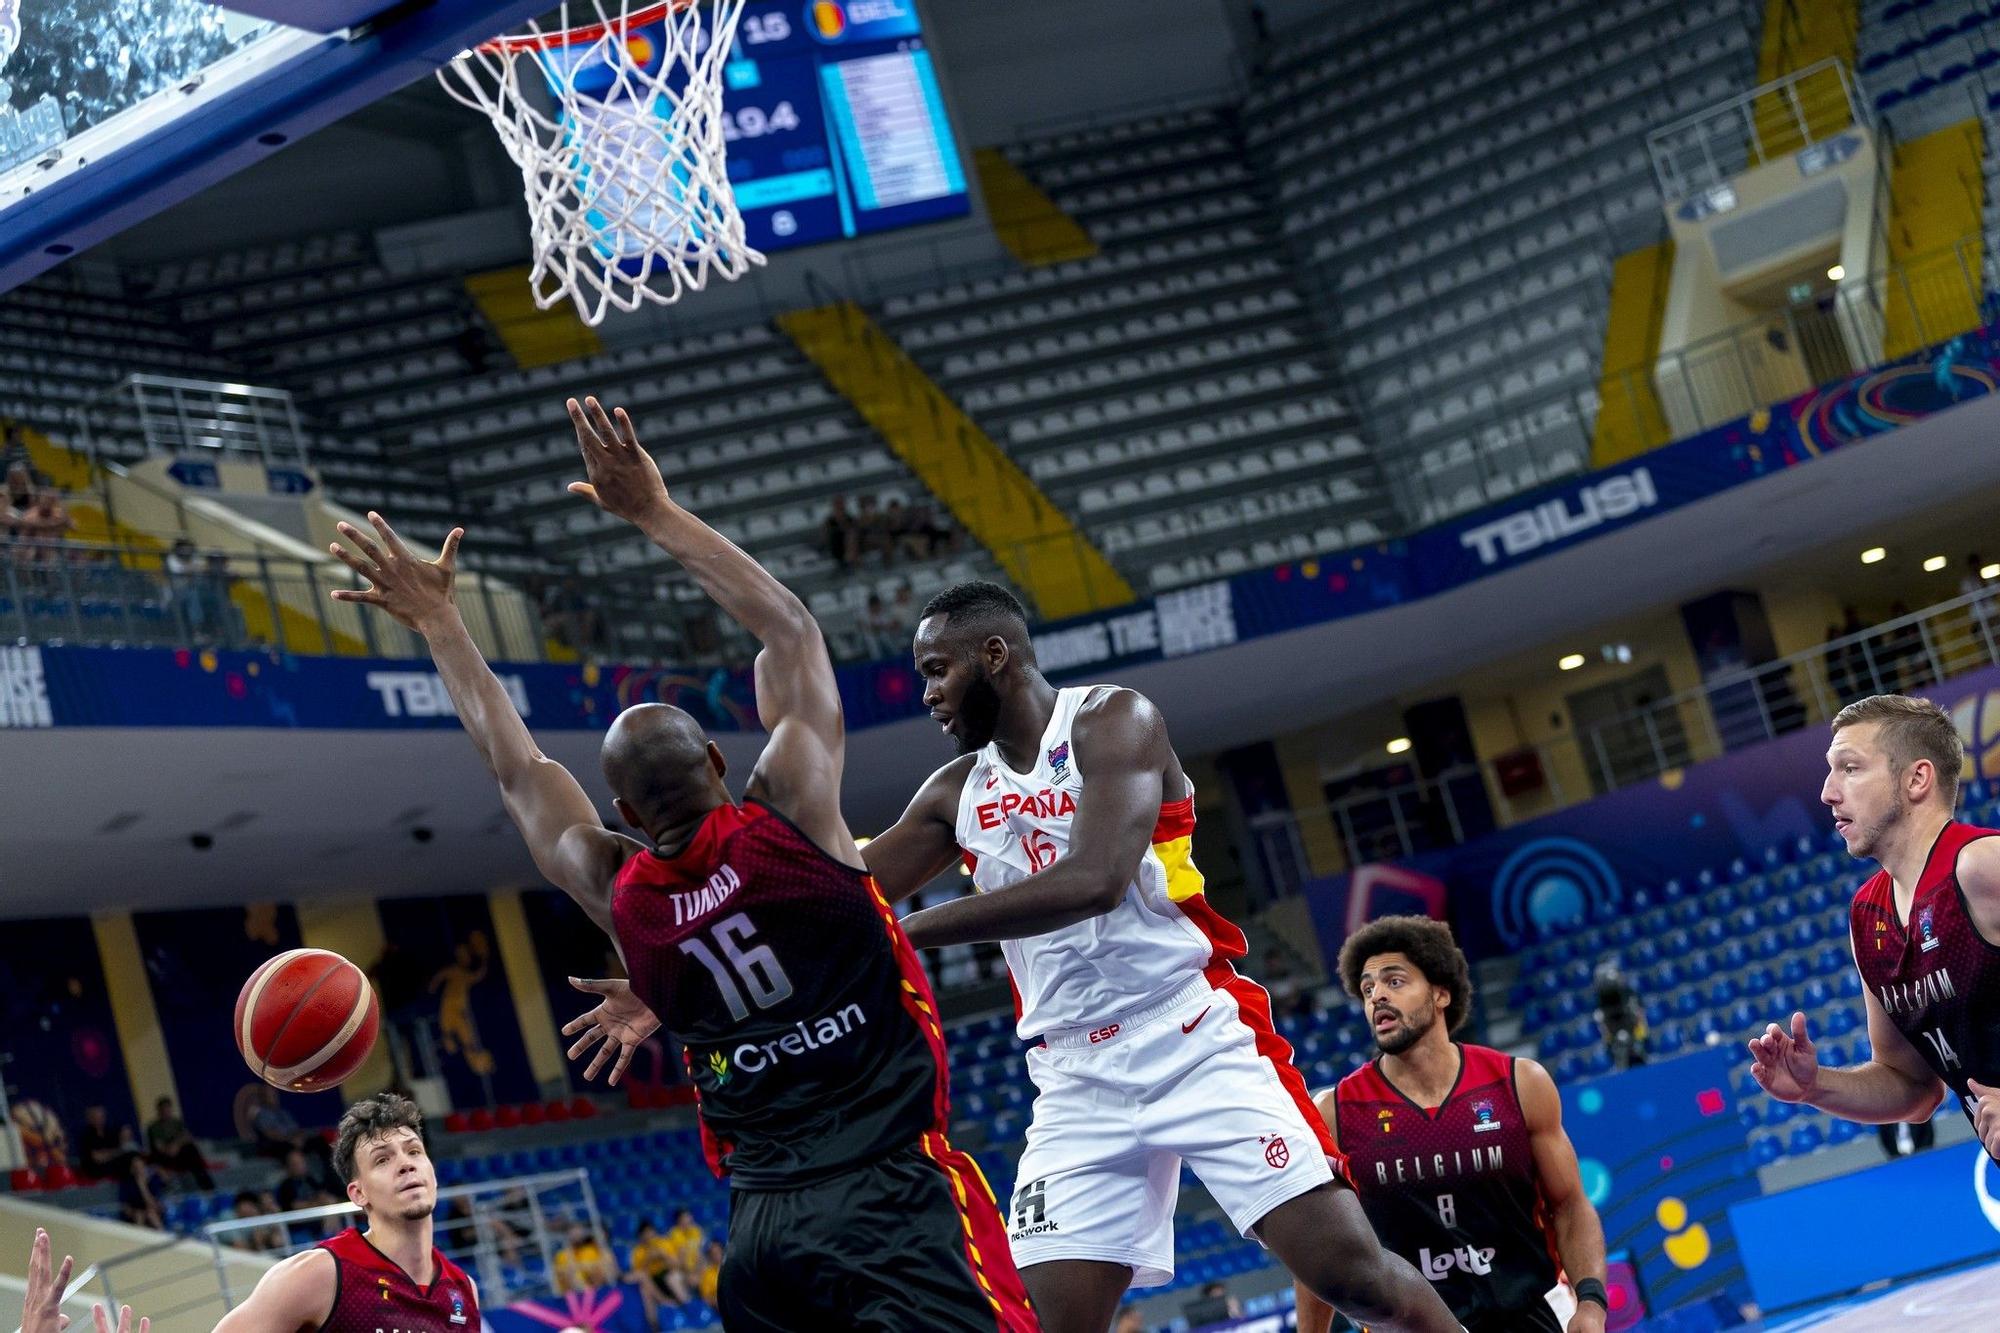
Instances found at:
x=1160 y=936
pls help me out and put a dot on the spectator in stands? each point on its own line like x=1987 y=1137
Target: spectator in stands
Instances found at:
x=903 y=612
x=299 y=1187
x=1129 y=1321
x=259 y=1240
x=871 y=531
x=583 y=1263
x=170 y=1146
x=401 y=981
x=839 y=533
x=1620 y=1016
x=138 y=1195
x=1214 y=1305
x=1974 y=584
x=1901 y=1140
x=653 y=1270
x=878 y=627
x=21 y=487
x=899 y=534
x=684 y=1241
x=278 y=1134
x=47 y=519
x=1903 y=646
x=711 y=1272
x=104 y=1153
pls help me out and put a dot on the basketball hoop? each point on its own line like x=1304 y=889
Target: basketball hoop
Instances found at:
x=618 y=131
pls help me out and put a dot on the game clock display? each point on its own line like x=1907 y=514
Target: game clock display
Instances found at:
x=835 y=123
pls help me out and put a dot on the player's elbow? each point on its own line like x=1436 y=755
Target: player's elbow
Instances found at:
x=1925 y=1098
x=1102 y=892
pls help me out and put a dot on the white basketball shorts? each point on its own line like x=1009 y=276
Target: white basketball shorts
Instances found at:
x=1200 y=1077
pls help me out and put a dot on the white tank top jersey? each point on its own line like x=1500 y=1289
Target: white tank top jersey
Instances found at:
x=1161 y=935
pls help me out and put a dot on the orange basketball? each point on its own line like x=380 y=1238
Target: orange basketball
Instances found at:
x=306 y=1020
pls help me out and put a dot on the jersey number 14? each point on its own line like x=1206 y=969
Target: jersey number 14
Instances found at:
x=752 y=965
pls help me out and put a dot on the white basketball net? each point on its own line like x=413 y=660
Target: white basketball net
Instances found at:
x=616 y=123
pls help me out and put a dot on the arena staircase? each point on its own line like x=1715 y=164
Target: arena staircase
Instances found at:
x=1042 y=552
x=1031 y=225
x=1629 y=418
x=532 y=336
x=1936 y=190
x=1799 y=33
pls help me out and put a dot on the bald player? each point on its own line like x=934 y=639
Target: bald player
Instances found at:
x=757 y=936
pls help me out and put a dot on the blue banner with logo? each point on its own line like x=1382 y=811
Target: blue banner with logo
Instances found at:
x=146 y=687
x=1916 y=1215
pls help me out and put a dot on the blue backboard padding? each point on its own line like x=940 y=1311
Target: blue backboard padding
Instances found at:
x=189 y=155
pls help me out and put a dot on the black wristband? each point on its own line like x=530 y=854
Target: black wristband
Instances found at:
x=1590 y=1289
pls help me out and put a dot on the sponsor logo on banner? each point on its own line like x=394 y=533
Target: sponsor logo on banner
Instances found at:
x=1196 y=619
x=24 y=690
x=422 y=693
x=1554 y=520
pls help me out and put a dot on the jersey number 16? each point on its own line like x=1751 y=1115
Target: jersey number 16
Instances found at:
x=754 y=965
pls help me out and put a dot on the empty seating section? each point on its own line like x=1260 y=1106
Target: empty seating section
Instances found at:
x=1464 y=175
x=1171 y=393
x=64 y=344
x=1927 y=65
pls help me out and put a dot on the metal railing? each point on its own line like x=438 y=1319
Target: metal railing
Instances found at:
x=1494 y=450
x=485 y=1228
x=97 y=593
x=1700 y=152
x=207 y=417
x=1725 y=713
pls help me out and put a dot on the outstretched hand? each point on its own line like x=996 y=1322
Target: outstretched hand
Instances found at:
x=42 y=1312
x=1785 y=1064
x=622 y=1023
x=416 y=593
x=624 y=479
x=1986 y=1118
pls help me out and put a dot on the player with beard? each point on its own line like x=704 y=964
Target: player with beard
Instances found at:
x=391 y=1274
x=1076 y=820
x=1458 y=1151
x=1925 y=930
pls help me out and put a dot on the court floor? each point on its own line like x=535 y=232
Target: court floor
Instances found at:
x=1967 y=1301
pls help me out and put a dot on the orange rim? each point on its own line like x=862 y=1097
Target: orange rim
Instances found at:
x=580 y=36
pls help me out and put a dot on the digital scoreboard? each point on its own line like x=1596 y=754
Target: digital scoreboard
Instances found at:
x=835 y=123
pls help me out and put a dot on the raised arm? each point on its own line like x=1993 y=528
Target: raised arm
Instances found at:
x=570 y=844
x=1573 y=1220
x=798 y=699
x=1120 y=746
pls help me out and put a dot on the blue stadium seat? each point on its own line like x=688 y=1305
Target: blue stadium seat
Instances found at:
x=1849 y=985
x=1833 y=1053
x=1656 y=1013
x=1765 y=1149
x=1667 y=976
x=1805 y=1137
x=1687 y=1003
x=1676 y=943
x=1766 y=945
x=1722 y=992
x=1841 y=1020
x=1842 y=1131
x=1792 y=970
x=1668 y=1040
x=1777 y=1112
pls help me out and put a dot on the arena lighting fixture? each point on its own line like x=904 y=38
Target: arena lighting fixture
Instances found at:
x=1836 y=273
x=1873 y=555
x=1989 y=571
x=1569 y=662
x=1400 y=745
x=1934 y=564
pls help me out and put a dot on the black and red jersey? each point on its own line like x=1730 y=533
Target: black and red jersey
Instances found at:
x=1937 y=978
x=1453 y=1188
x=810 y=1031
x=373 y=1295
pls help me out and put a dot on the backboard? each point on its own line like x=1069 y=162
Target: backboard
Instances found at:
x=111 y=110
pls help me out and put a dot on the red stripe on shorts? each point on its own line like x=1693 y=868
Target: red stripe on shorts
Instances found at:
x=1253 y=1005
